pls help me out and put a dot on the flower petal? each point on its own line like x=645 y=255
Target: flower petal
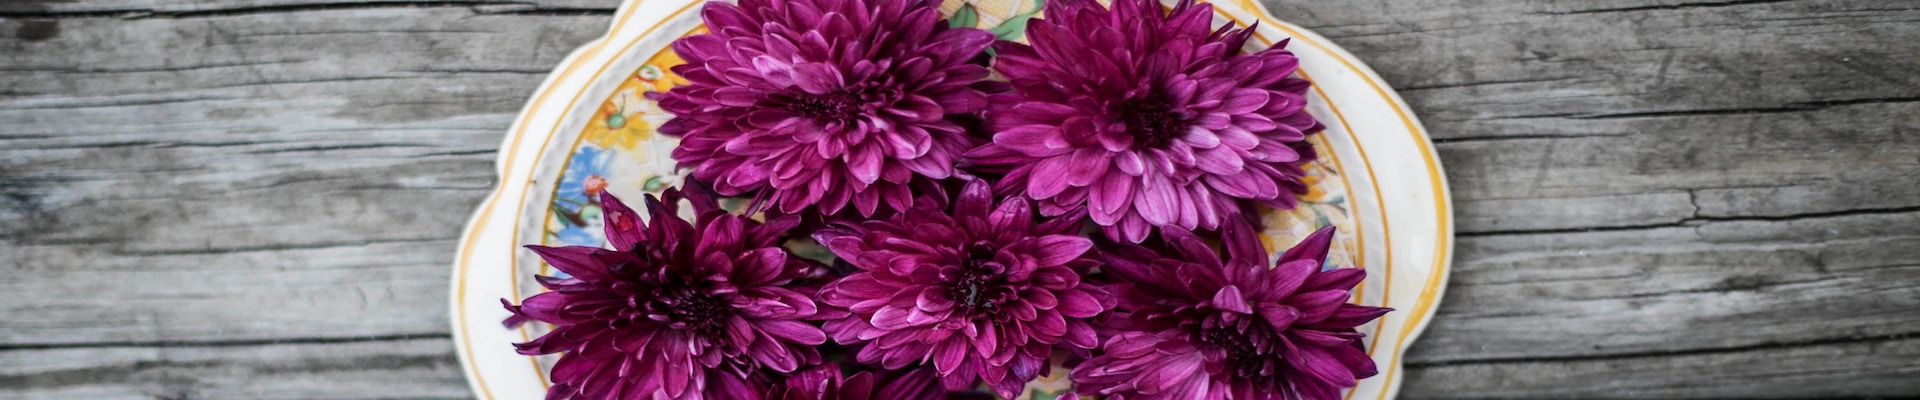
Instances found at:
x=1058 y=249
x=1229 y=299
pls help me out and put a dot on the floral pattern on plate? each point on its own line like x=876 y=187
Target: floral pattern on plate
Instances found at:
x=619 y=151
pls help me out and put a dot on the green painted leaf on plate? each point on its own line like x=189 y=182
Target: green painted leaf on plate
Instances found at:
x=966 y=17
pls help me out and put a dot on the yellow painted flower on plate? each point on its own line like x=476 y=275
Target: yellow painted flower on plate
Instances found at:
x=618 y=124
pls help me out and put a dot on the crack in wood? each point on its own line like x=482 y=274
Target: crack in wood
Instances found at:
x=1788 y=108
x=225 y=342
x=1406 y=29
x=1738 y=283
x=332 y=147
x=1681 y=6
x=419 y=188
x=515 y=8
x=1827 y=214
x=1467 y=139
x=457 y=153
x=95 y=145
x=1762 y=346
x=1524 y=232
x=1849 y=102
x=1695 y=221
x=480 y=71
x=235 y=143
x=555 y=12
x=279 y=247
x=307 y=81
x=110 y=103
x=1457 y=85
x=1693 y=200
x=363 y=32
x=137 y=70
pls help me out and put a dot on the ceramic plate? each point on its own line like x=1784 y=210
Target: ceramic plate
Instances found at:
x=590 y=128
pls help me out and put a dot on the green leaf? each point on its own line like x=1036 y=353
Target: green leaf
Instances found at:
x=1016 y=27
x=575 y=203
x=1013 y=29
x=966 y=17
x=571 y=218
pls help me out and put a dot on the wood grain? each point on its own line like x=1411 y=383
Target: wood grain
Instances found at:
x=389 y=368
x=1883 y=369
x=1655 y=198
x=203 y=8
x=283 y=181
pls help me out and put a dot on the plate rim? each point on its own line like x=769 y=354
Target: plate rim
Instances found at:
x=511 y=163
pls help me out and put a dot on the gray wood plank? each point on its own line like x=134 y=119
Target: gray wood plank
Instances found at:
x=423 y=368
x=1493 y=61
x=1870 y=369
x=190 y=8
x=1662 y=170
x=1717 y=284
x=274 y=292
x=1537 y=99
x=1657 y=198
x=427 y=369
x=246 y=177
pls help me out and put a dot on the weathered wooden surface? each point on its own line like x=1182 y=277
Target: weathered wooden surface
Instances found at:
x=1656 y=198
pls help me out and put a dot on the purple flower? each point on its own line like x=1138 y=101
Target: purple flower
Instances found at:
x=981 y=293
x=826 y=382
x=1147 y=119
x=1201 y=328
x=825 y=103
x=677 y=310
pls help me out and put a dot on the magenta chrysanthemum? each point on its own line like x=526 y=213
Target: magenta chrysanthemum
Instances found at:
x=677 y=310
x=827 y=382
x=825 y=103
x=1147 y=119
x=1198 y=328
x=981 y=292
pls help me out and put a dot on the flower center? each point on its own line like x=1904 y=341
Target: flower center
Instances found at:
x=682 y=305
x=979 y=276
x=1152 y=121
x=593 y=185
x=840 y=105
x=1250 y=351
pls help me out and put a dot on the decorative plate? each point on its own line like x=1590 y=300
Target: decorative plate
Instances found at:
x=590 y=128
